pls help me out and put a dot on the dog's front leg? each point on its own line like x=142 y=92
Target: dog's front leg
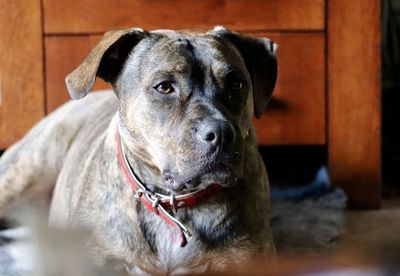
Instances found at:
x=29 y=168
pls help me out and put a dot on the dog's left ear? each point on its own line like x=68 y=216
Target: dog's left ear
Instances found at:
x=260 y=59
x=105 y=60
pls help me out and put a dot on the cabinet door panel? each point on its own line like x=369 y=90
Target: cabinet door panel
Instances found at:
x=88 y=16
x=296 y=113
x=64 y=54
x=21 y=69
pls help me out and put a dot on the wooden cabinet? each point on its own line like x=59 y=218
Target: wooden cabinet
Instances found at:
x=21 y=69
x=328 y=81
x=98 y=16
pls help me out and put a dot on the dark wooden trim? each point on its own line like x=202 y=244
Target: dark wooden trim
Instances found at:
x=354 y=99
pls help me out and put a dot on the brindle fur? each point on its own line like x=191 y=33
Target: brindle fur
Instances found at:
x=75 y=148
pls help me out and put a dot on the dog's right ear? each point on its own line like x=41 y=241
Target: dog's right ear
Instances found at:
x=105 y=60
x=259 y=57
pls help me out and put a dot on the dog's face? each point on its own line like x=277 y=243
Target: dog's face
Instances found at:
x=186 y=99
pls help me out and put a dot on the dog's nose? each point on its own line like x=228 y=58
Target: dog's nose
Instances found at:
x=216 y=133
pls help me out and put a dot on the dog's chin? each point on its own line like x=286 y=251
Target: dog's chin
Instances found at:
x=226 y=178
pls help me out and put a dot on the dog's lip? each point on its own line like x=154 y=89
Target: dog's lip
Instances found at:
x=183 y=189
x=202 y=180
x=224 y=170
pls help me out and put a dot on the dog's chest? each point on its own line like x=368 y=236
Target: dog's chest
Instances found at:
x=172 y=259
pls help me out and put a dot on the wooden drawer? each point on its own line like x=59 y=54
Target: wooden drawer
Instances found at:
x=296 y=114
x=298 y=118
x=64 y=54
x=98 y=16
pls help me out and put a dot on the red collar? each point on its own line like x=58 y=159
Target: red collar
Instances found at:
x=163 y=205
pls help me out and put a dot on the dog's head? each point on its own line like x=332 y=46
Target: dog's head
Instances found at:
x=186 y=99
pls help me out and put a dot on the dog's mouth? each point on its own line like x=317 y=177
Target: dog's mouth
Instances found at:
x=217 y=173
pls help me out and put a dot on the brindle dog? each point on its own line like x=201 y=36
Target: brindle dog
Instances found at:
x=183 y=115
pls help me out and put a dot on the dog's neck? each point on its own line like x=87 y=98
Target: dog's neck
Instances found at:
x=139 y=159
x=225 y=208
x=146 y=172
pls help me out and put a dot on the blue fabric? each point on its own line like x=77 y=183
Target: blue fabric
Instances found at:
x=318 y=187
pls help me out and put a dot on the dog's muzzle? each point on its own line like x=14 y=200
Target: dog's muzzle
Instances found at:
x=164 y=205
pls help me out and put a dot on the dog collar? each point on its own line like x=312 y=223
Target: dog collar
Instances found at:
x=164 y=206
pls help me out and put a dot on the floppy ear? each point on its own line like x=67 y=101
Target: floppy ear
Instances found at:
x=105 y=60
x=260 y=59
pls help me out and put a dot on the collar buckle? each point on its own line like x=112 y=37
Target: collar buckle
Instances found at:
x=172 y=203
x=137 y=194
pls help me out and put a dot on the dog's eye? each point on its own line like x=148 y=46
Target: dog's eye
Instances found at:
x=165 y=87
x=236 y=81
x=237 y=85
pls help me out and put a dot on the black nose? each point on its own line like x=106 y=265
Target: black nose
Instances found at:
x=216 y=133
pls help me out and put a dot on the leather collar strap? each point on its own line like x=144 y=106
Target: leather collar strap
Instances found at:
x=163 y=205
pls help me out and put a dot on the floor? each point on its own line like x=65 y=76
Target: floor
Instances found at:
x=374 y=233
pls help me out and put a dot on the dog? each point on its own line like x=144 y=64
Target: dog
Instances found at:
x=164 y=171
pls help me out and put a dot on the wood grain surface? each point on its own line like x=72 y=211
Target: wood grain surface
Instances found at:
x=296 y=114
x=21 y=69
x=97 y=16
x=64 y=54
x=354 y=99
